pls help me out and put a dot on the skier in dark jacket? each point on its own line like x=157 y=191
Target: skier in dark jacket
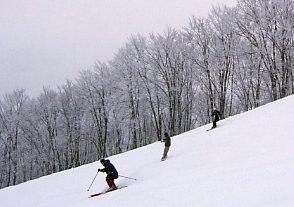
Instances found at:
x=216 y=116
x=167 y=143
x=111 y=172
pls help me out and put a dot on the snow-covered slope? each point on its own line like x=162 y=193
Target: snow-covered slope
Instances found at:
x=247 y=161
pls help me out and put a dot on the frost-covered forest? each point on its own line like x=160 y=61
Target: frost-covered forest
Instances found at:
x=235 y=59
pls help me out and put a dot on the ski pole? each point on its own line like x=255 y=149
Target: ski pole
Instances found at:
x=93 y=181
x=127 y=177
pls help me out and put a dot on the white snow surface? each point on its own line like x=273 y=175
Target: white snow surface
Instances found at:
x=247 y=161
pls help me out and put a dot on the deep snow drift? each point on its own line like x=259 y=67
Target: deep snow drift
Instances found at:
x=247 y=161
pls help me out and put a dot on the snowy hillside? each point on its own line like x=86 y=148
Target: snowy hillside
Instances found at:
x=247 y=161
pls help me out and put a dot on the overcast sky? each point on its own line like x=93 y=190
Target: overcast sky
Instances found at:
x=45 y=42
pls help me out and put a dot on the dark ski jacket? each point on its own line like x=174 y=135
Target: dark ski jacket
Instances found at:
x=109 y=169
x=166 y=140
x=216 y=115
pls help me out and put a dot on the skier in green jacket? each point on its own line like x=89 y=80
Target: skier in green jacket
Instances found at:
x=167 y=144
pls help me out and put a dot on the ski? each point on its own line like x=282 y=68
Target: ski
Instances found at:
x=96 y=194
x=210 y=129
x=108 y=191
